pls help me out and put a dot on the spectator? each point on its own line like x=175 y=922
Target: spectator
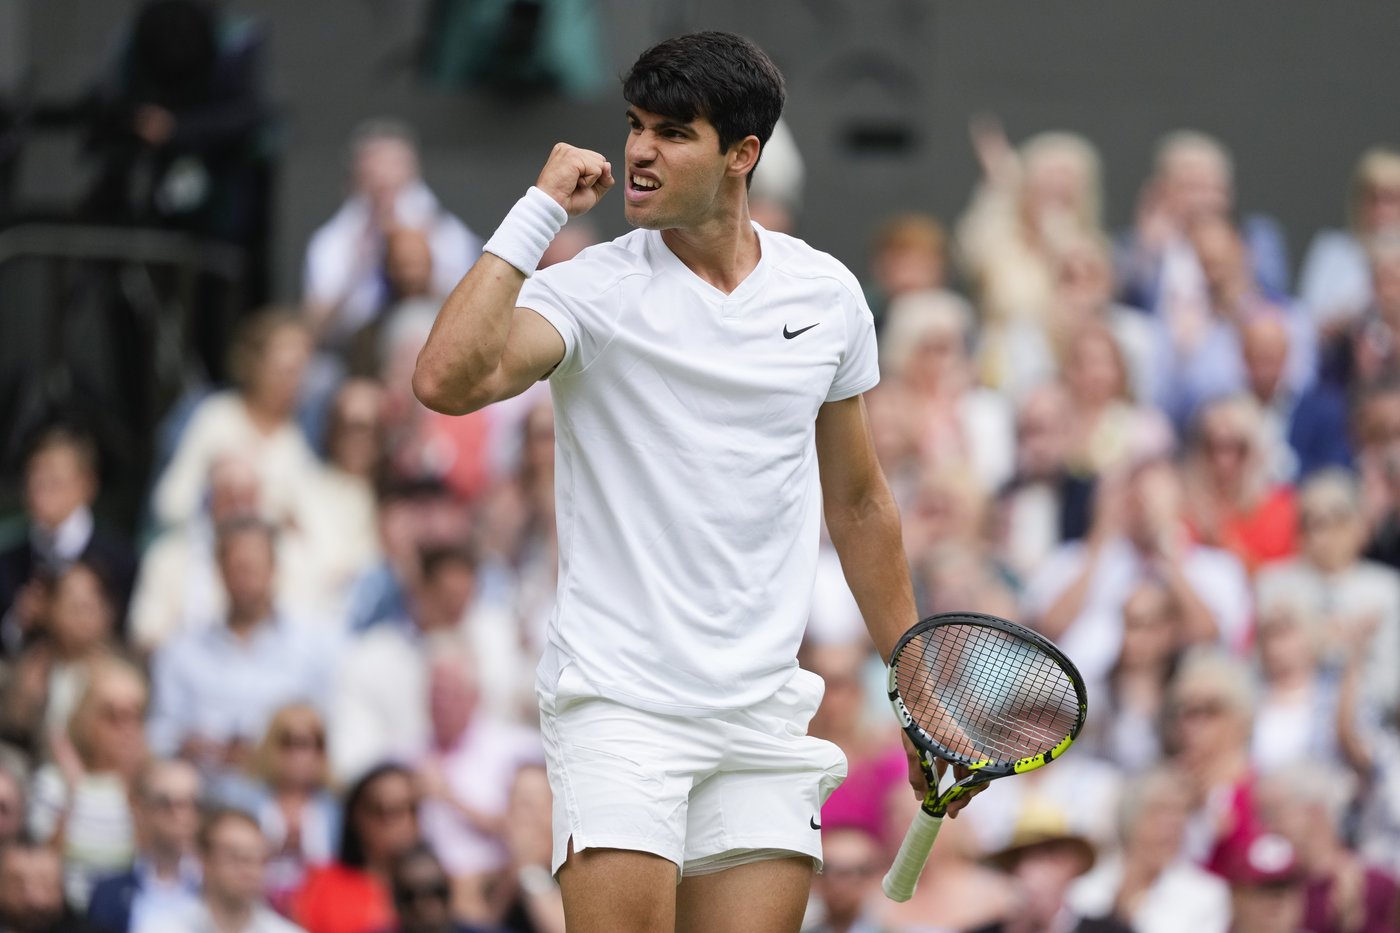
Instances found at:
x=1266 y=885
x=267 y=361
x=178 y=588
x=1210 y=717
x=1125 y=720
x=1335 y=281
x=60 y=487
x=347 y=537
x=1148 y=884
x=1032 y=351
x=233 y=854
x=380 y=824
x=947 y=538
x=380 y=705
x=531 y=898
x=1077 y=595
x=1333 y=586
x=852 y=860
x=908 y=254
x=217 y=687
x=165 y=873
x=1043 y=858
x=1343 y=894
x=31 y=891
x=875 y=761
x=1296 y=714
x=1300 y=428
x=1369 y=350
x=944 y=414
x=342 y=284
x=79 y=803
x=1046 y=503
x=78 y=632
x=1107 y=428
x=464 y=779
x=1202 y=357
x=287 y=791
x=423 y=895
x=1192 y=177
x=1233 y=501
x=1028 y=204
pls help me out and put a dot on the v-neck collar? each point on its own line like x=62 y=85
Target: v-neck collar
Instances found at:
x=741 y=291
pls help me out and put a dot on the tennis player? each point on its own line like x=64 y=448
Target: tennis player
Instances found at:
x=707 y=377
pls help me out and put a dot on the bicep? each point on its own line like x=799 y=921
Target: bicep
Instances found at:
x=533 y=349
x=850 y=472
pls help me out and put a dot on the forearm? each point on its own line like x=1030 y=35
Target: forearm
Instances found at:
x=468 y=339
x=1198 y=621
x=1061 y=613
x=867 y=538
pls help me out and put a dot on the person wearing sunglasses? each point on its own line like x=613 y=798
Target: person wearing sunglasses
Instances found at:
x=423 y=895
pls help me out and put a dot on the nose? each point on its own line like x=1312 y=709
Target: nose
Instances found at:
x=641 y=148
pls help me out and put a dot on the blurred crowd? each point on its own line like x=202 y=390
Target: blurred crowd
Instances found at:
x=301 y=695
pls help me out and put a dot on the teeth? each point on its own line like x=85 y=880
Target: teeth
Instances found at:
x=639 y=182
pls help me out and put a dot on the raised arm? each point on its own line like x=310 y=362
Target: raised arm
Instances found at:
x=482 y=347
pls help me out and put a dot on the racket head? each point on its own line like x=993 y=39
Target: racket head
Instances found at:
x=986 y=693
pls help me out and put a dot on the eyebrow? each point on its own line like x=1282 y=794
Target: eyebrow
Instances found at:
x=662 y=124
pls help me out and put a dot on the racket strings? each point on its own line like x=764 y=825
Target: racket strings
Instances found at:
x=986 y=694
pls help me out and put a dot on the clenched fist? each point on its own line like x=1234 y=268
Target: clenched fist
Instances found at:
x=576 y=178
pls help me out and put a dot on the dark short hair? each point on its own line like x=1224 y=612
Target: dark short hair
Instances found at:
x=434 y=559
x=69 y=437
x=720 y=76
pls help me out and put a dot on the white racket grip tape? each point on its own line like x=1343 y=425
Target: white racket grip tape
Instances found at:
x=908 y=865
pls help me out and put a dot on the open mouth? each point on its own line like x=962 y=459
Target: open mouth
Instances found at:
x=644 y=183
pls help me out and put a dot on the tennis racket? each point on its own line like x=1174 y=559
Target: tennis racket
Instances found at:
x=981 y=692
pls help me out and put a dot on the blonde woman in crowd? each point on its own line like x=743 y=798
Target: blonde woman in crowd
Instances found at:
x=1029 y=203
x=79 y=803
x=1232 y=499
x=288 y=791
x=1108 y=428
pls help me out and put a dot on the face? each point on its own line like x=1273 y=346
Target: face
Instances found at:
x=116 y=723
x=1333 y=533
x=387 y=817
x=447 y=594
x=843 y=703
x=1153 y=503
x=1055 y=185
x=1197 y=184
x=31 y=889
x=902 y=269
x=1040 y=433
x=452 y=700
x=1094 y=374
x=234 y=491
x=1204 y=721
x=277 y=375
x=1225 y=447
x=1084 y=276
x=408 y=263
x=851 y=865
x=56 y=485
x=674 y=171
x=299 y=749
x=383 y=168
x=1219 y=250
x=234 y=862
x=80 y=615
x=1385 y=280
x=355 y=446
x=168 y=809
x=1044 y=874
x=1161 y=822
x=422 y=895
x=247 y=562
x=1149 y=633
x=1285 y=646
x=1380 y=205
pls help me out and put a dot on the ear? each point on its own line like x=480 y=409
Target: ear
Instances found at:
x=742 y=156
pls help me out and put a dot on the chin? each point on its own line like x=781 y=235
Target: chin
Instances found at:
x=643 y=219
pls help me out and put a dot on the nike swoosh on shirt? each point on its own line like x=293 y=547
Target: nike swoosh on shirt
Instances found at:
x=813 y=821
x=789 y=334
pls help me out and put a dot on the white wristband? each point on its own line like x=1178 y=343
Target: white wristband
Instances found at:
x=527 y=230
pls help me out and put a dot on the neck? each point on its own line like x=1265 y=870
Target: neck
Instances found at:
x=230 y=915
x=722 y=250
x=165 y=864
x=242 y=620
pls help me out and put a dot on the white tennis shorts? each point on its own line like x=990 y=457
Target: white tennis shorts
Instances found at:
x=707 y=793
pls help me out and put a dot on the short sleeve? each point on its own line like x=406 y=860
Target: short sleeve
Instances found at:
x=541 y=294
x=582 y=299
x=859 y=370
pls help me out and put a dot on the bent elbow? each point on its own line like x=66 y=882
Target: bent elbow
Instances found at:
x=434 y=394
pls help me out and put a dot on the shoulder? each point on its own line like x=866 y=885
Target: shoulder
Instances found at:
x=599 y=268
x=797 y=258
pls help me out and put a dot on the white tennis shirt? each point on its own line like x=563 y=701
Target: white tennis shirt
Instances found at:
x=686 y=480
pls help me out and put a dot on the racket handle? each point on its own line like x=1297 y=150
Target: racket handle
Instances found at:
x=908 y=864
